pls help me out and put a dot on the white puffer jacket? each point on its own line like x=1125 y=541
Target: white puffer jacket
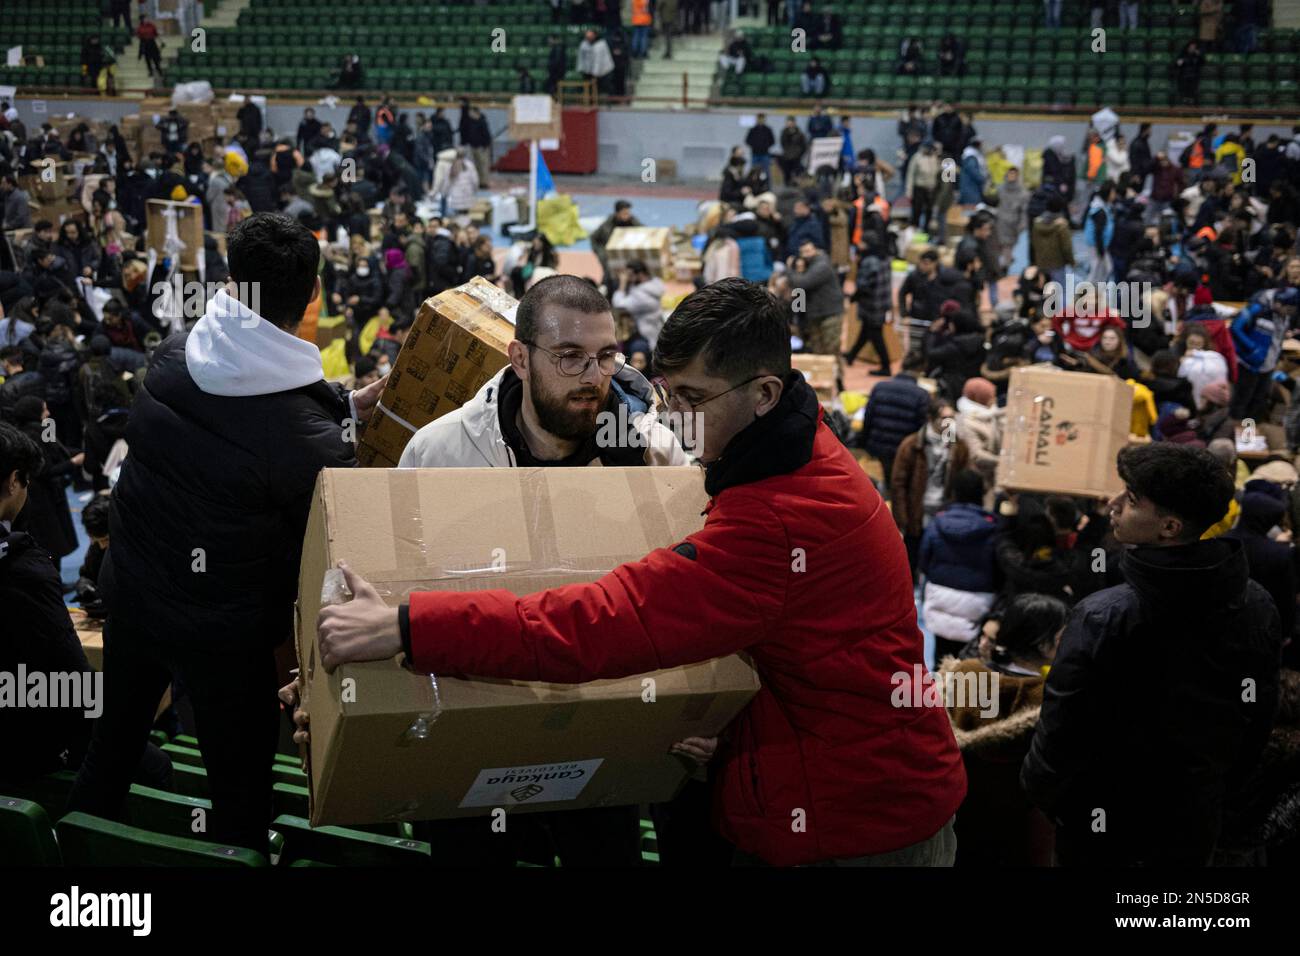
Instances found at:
x=470 y=437
x=1201 y=367
x=954 y=615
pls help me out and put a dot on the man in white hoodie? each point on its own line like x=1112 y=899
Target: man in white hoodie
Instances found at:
x=566 y=398
x=227 y=433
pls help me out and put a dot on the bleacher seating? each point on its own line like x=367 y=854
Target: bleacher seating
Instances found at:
x=404 y=46
x=1011 y=58
x=56 y=39
x=160 y=827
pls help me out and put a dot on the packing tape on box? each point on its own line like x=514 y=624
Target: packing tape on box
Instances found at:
x=335 y=590
x=380 y=406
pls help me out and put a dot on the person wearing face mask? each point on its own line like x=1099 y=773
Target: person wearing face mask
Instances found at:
x=359 y=294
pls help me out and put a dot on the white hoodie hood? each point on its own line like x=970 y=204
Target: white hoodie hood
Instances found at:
x=234 y=351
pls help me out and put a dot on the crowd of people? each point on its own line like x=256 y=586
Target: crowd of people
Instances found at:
x=1188 y=580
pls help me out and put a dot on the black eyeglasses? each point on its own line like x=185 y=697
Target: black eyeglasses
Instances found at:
x=574 y=362
x=673 y=400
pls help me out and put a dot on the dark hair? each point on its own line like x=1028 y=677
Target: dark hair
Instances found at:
x=738 y=327
x=1165 y=362
x=621 y=205
x=967 y=487
x=1028 y=621
x=1188 y=483
x=281 y=256
x=19 y=453
x=94 y=517
x=11 y=353
x=930 y=255
x=1063 y=512
x=937 y=404
x=113 y=307
x=1032 y=533
x=565 y=291
x=637 y=266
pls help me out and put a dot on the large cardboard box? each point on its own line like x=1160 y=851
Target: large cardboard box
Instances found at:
x=378 y=752
x=1063 y=431
x=189 y=228
x=653 y=245
x=457 y=343
x=821 y=372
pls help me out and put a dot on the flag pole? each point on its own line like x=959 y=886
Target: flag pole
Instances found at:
x=532 y=184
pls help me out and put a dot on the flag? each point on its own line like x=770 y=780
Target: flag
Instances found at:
x=545 y=184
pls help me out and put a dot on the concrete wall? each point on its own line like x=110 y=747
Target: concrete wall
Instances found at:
x=699 y=142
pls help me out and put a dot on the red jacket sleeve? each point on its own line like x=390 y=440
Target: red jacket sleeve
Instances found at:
x=713 y=595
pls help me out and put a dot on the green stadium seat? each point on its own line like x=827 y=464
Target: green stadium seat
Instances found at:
x=160 y=811
x=26 y=834
x=49 y=792
x=86 y=840
x=342 y=846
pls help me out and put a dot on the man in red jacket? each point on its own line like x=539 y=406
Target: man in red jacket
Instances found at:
x=829 y=763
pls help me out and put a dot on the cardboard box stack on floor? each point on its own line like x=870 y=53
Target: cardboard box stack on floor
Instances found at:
x=1062 y=432
x=653 y=245
x=388 y=744
x=457 y=343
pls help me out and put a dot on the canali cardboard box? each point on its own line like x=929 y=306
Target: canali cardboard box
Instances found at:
x=457 y=343
x=378 y=752
x=1063 y=431
x=820 y=371
x=653 y=245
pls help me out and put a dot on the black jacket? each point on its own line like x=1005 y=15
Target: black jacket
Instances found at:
x=1146 y=725
x=954 y=359
x=38 y=634
x=232 y=476
x=760 y=140
x=474 y=132
x=897 y=408
x=29 y=382
x=1271 y=563
x=442 y=263
x=47 y=516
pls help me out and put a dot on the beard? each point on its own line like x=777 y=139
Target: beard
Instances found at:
x=562 y=420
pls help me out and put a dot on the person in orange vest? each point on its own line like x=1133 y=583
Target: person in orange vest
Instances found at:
x=642 y=18
x=1096 y=152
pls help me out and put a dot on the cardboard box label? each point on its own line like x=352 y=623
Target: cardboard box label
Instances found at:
x=539 y=783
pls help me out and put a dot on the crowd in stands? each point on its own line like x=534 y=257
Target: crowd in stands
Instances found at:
x=1191 y=567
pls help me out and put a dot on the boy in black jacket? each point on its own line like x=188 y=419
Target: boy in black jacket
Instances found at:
x=1164 y=689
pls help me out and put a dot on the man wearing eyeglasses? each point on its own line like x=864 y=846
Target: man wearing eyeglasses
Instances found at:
x=845 y=756
x=566 y=376
x=548 y=407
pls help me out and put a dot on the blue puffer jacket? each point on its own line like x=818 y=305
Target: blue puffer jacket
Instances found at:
x=958 y=549
x=1258 y=331
x=897 y=408
x=755 y=258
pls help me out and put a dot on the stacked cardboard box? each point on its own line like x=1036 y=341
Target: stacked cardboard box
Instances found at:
x=653 y=245
x=388 y=744
x=457 y=343
x=1063 y=431
x=821 y=371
